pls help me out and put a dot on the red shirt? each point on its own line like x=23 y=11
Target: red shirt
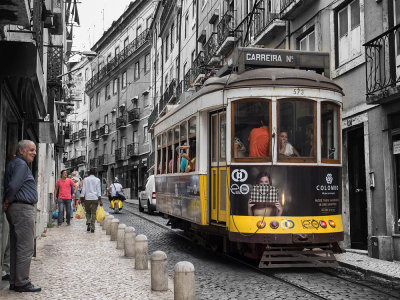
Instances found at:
x=259 y=142
x=64 y=188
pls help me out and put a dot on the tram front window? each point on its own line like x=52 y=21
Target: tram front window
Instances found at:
x=296 y=137
x=329 y=131
x=251 y=124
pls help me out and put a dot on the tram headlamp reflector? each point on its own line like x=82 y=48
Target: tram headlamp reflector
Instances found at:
x=274 y=224
x=261 y=224
x=322 y=224
x=332 y=223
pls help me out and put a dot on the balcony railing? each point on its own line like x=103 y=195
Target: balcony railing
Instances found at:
x=226 y=29
x=210 y=48
x=104 y=130
x=74 y=163
x=153 y=116
x=133 y=115
x=102 y=160
x=179 y=90
x=167 y=8
x=93 y=162
x=120 y=154
x=381 y=54
x=67 y=164
x=82 y=133
x=94 y=136
x=168 y=96
x=289 y=9
x=188 y=80
x=199 y=65
x=133 y=149
x=121 y=122
x=81 y=160
x=75 y=136
x=118 y=59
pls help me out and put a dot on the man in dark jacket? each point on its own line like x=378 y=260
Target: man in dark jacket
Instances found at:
x=20 y=197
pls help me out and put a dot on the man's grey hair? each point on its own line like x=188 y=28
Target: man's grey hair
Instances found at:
x=23 y=144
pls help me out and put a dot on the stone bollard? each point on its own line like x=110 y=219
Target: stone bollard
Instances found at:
x=129 y=242
x=159 y=271
x=114 y=229
x=121 y=236
x=104 y=221
x=141 y=257
x=108 y=224
x=184 y=287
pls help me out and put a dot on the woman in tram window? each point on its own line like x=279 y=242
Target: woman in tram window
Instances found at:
x=286 y=148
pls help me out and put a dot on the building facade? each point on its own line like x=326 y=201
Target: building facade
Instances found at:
x=120 y=100
x=33 y=43
x=361 y=38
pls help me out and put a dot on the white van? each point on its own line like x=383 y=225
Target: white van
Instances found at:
x=147 y=196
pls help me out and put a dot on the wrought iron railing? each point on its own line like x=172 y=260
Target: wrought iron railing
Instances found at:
x=285 y=4
x=74 y=163
x=168 y=4
x=67 y=164
x=153 y=116
x=102 y=159
x=134 y=115
x=82 y=133
x=168 y=95
x=188 y=80
x=211 y=47
x=94 y=136
x=92 y=162
x=121 y=122
x=199 y=65
x=225 y=27
x=179 y=90
x=120 y=154
x=81 y=160
x=104 y=130
x=380 y=55
x=75 y=136
x=118 y=59
x=133 y=149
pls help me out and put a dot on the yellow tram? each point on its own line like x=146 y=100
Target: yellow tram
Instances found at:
x=252 y=163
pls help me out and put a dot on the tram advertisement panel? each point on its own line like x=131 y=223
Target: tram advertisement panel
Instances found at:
x=179 y=196
x=285 y=191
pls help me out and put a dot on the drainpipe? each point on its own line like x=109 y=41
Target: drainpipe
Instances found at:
x=287 y=42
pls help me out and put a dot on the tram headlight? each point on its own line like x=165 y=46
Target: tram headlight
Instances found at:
x=261 y=224
x=274 y=224
x=322 y=224
x=332 y=223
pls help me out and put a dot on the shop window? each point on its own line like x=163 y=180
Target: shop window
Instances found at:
x=251 y=130
x=329 y=131
x=296 y=136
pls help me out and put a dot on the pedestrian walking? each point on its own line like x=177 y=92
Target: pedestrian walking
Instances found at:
x=62 y=196
x=77 y=180
x=91 y=194
x=19 y=200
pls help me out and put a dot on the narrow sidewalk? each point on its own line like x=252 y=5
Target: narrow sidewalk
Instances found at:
x=74 y=264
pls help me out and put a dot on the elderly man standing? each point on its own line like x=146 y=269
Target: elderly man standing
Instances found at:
x=91 y=194
x=20 y=197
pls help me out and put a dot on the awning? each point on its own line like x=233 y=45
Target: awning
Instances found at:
x=20 y=60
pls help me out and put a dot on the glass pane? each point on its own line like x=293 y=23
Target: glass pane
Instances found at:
x=329 y=131
x=251 y=129
x=397 y=11
x=296 y=128
x=215 y=185
x=214 y=137
x=164 y=137
x=222 y=134
x=303 y=44
x=311 y=41
x=343 y=22
x=176 y=134
x=159 y=142
x=223 y=190
x=355 y=14
x=192 y=126
x=183 y=131
x=170 y=136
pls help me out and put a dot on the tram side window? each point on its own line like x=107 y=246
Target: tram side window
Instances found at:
x=159 y=155
x=183 y=142
x=170 y=150
x=329 y=131
x=192 y=146
x=296 y=137
x=176 y=150
x=164 y=154
x=251 y=124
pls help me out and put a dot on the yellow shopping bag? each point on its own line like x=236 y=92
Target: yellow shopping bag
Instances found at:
x=80 y=212
x=100 y=214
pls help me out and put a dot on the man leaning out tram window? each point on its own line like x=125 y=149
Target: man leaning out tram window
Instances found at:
x=191 y=157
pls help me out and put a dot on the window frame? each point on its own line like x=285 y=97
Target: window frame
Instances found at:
x=300 y=159
x=251 y=159
x=124 y=80
x=339 y=136
x=137 y=70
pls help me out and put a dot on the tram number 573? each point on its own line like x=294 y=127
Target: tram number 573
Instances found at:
x=298 y=91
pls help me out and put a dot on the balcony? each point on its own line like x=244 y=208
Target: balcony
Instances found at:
x=67 y=164
x=74 y=163
x=382 y=75
x=94 y=136
x=153 y=117
x=93 y=162
x=102 y=160
x=290 y=9
x=130 y=49
x=134 y=115
x=120 y=154
x=210 y=50
x=75 y=136
x=166 y=12
x=188 y=80
x=168 y=96
x=121 y=122
x=199 y=68
x=179 y=90
x=226 y=33
x=104 y=130
x=133 y=149
x=82 y=133
x=81 y=160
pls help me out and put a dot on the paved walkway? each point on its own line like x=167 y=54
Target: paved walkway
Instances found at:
x=74 y=264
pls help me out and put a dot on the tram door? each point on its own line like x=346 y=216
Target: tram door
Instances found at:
x=219 y=178
x=357 y=189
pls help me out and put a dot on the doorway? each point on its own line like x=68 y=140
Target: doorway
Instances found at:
x=357 y=189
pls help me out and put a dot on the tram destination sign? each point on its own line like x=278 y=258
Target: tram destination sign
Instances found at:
x=262 y=57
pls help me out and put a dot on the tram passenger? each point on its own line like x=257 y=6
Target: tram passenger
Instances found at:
x=259 y=140
x=264 y=209
x=285 y=148
x=191 y=158
x=239 y=149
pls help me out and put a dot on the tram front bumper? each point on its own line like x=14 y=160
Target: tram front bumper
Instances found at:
x=265 y=238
